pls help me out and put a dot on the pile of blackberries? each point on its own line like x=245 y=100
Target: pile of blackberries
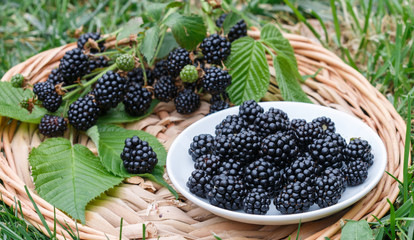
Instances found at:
x=258 y=156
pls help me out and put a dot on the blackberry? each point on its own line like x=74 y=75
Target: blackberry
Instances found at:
x=295 y=197
x=137 y=99
x=328 y=190
x=302 y=169
x=43 y=90
x=17 y=80
x=326 y=124
x=270 y=122
x=52 y=126
x=201 y=144
x=249 y=110
x=189 y=74
x=279 y=148
x=136 y=75
x=177 y=59
x=215 y=49
x=326 y=152
x=125 y=62
x=218 y=106
x=231 y=166
x=358 y=149
x=109 y=90
x=55 y=77
x=187 y=101
x=160 y=69
x=216 y=80
x=52 y=102
x=165 y=89
x=226 y=192
x=83 y=39
x=199 y=183
x=220 y=20
x=338 y=173
x=83 y=113
x=208 y=162
x=237 y=31
x=337 y=139
x=356 y=172
x=97 y=62
x=256 y=201
x=246 y=145
x=138 y=156
x=296 y=123
x=262 y=174
x=73 y=65
x=232 y=124
x=306 y=133
x=224 y=96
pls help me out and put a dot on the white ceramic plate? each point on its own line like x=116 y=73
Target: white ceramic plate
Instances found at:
x=180 y=164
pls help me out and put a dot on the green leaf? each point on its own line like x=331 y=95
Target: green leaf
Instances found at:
x=155 y=10
x=174 y=5
x=69 y=177
x=10 y=99
x=287 y=80
x=157 y=176
x=167 y=45
x=150 y=42
x=118 y=114
x=230 y=20
x=188 y=31
x=132 y=27
x=249 y=70
x=357 y=230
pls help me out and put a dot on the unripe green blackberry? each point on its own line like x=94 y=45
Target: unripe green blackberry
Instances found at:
x=17 y=80
x=189 y=74
x=125 y=62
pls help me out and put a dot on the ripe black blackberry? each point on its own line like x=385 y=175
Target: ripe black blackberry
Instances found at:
x=279 y=148
x=199 y=183
x=326 y=152
x=73 y=65
x=328 y=190
x=216 y=80
x=222 y=146
x=187 y=101
x=296 y=123
x=326 y=124
x=232 y=124
x=177 y=59
x=306 y=133
x=220 y=20
x=55 y=77
x=262 y=174
x=210 y=163
x=271 y=121
x=257 y=201
x=237 y=31
x=52 y=102
x=224 y=96
x=138 y=156
x=249 y=110
x=215 y=49
x=136 y=75
x=109 y=90
x=137 y=99
x=218 y=106
x=97 y=62
x=201 y=144
x=358 y=149
x=165 y=89
x=246 y=145
x=231 y=166
x=226 y=192
x=295 y=197
x=336 y=172
x=83 y=113
x=302 y=169
x=83 y=39
x=43 y=89
x=337 y=139
x=356 y=172
x=52 y=126
x=160 y=69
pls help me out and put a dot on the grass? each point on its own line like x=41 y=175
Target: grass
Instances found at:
x=374 y=37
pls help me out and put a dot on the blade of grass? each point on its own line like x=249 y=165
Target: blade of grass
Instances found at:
x=38 y=212
x=406 y=180
x=392 y=219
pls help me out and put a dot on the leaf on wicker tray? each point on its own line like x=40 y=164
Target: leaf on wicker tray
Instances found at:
x=10 y=99
x=249 y=69
x=118 y=114
x=69 y=176
x=357 y=230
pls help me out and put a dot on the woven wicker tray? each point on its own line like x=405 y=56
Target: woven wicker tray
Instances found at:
x=138 y=201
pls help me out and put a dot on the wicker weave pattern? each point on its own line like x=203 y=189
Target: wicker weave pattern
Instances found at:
x=138 y=201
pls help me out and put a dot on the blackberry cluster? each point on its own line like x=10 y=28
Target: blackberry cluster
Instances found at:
x=52 y=126
x=215 y=49
x=261 y=156
x=237 y=31
x=138 y=156
x=55 y=77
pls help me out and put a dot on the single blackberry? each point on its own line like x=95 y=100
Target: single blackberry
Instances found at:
x=306 y=133
x=222 y=146
x=215 y=49
x=97 y=62
x=52 y=126
x=302 y=169
x=326 y=152
x=55 y=77
x=187 y=101
x=224 y=96
x=358 y=149
x=220 y=20
x=257 y=201
x=246 y=145
x=83 y=113
x=328 y=190
x=249 y=110
x=138 y=156
x=160 y=69
x=165 y=89
x=218 y=106
x=231 y=166
x=237 y=31
x=201 y=144
x=177 y=59
x=337 y=139
x=295 y=197
x=226 y=192
x=43 y=90
x=109 y=90
x=326 y=124
x=73 y=65
x=125 y=62
x=356 y=172
x=210 y=163
x=199 y=183
x=336 y=172
x=271 y=121
x=279 y=148
x=136 y=75
x=83 y=39
x=52 y=102
x=262 y=174
x=232 y=124
x=17 y=80
x=189 y=74
x=216 y=80
x=137 y=99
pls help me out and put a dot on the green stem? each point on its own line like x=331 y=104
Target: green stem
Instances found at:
x=70 y=86
x=164 y=31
